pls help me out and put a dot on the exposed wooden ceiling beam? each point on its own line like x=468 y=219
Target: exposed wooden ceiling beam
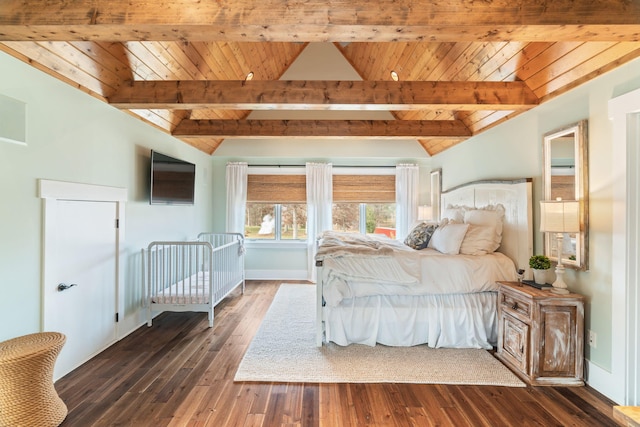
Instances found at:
x=342 y=129
x=331 y=20
x=324 y=95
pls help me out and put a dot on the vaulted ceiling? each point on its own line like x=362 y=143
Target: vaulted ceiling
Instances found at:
x=463 y=66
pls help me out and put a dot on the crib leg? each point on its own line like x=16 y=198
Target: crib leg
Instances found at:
x=149 y=320
x=210 y=315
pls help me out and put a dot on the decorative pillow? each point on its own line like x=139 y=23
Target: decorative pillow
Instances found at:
x=454 y=213
x=479 y=240
x=448 y=237
x=419 y=237
x=489 y=216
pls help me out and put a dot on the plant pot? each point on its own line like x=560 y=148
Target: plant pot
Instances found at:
x=540 y=276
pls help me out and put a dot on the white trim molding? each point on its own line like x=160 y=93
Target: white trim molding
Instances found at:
x=276 y=275
x=623 y=383
x=62 y=190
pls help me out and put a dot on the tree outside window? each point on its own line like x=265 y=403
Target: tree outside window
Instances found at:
x=368 y=218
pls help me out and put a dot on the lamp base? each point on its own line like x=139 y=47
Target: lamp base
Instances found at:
x=559 y=287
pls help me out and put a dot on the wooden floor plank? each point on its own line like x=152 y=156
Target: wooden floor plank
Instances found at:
x=310 y=406
x=475 y=413
x=179 y=372
x=189 y=406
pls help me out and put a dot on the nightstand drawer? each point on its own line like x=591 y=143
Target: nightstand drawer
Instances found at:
x=515 y=305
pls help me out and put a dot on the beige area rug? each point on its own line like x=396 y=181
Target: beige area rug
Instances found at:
x=284 y=350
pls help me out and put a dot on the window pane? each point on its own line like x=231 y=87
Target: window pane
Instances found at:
x=381 y=218
x=294 y=221
x=346 y=217
x=260 y=221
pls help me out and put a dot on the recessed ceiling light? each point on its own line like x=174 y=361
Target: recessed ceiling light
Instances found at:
x=394 y=76
x=249 y=75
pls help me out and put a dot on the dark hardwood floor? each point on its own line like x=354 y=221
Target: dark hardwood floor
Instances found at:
x=180 y=373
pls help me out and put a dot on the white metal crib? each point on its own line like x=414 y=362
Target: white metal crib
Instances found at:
x=193 y=275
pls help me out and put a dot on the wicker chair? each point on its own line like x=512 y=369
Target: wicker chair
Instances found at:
x=27 y=394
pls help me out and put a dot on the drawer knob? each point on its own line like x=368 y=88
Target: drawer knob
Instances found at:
x=514 y=306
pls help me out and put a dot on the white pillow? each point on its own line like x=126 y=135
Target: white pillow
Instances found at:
x=490 y=216
x=479 y=240
x=448 y=237
x=454 y=213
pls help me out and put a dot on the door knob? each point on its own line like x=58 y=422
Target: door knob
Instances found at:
x=64 y=286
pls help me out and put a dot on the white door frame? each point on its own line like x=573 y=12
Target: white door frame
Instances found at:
x=51 y=191
x=624 y=112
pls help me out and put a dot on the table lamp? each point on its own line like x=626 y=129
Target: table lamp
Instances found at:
x=425 y=213
x=559 y=217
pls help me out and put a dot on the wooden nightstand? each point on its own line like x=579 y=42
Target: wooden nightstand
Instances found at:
x=541 y=334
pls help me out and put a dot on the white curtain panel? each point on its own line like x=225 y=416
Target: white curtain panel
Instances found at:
x=319 y=202
x=407 y=181
x=236 y=196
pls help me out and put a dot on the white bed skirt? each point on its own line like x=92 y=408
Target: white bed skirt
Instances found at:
x=452 y=320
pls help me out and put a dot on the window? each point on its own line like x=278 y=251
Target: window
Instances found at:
x=346 y=217
x=276 y=207
x=367 y=218
x=364 y=204
x=380 y=218
x=261 y=220
x=293 y=221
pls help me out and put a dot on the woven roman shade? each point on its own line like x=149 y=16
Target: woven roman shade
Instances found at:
x=346 y=188
x=364 y=188
x=276 y=188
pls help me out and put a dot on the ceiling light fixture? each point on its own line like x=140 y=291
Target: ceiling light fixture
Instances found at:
x=394 y=76
x=249 y=76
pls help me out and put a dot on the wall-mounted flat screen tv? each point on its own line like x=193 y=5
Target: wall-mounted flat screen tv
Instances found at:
x=172 y=180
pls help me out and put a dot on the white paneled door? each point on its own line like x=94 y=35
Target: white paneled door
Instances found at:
x=80 y=287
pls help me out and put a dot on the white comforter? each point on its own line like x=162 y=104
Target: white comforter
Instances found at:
x=357 y=265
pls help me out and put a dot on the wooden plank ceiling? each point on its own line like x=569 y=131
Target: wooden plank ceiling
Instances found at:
x=462 y=66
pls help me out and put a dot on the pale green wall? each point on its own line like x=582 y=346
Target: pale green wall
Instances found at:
x=514 y=149
x=74 y=137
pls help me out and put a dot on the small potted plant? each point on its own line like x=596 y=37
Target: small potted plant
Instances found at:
x=540 y=264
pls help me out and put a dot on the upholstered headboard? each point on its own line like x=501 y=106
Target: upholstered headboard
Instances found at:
x=516 y=197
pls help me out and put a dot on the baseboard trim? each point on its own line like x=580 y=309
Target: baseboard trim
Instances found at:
x=276 y=274
x=603 y=381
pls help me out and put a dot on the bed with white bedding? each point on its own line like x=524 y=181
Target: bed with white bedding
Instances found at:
x=372 y=289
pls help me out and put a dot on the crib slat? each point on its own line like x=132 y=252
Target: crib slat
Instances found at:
x=177 y=270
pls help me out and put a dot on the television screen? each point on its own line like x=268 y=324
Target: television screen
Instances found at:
x=172 y=180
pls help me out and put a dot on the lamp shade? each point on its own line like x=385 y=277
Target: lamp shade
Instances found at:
x=560 y=216
x=425 y=213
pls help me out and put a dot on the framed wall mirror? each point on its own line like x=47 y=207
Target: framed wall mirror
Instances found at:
x=565 y=176
x=436 y=191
